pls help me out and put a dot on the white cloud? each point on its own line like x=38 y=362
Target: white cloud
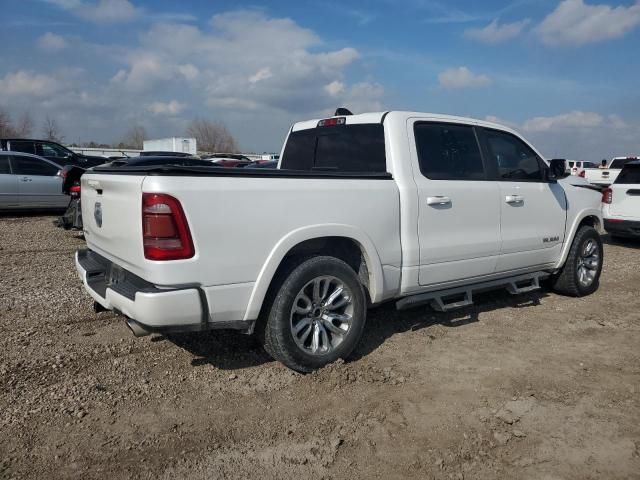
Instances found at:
x=575 y=119
x=334 y=88
x=579 y=135
x=28 y=83
x=52 y=42
x=462 y=77
x=222 y=67
x=100 y=11
x=262 y=74
x=496 y=32
x=574 y=22
x=233 y=61
x=170 y=108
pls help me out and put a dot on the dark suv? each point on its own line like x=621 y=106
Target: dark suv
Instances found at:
x=52 y=151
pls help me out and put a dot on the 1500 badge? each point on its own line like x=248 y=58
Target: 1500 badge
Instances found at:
x=550 y=239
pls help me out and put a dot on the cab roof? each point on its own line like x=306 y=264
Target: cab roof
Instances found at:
x=378 y=117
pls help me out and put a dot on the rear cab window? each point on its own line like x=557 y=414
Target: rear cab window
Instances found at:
x=630 y=174
x=336 y=148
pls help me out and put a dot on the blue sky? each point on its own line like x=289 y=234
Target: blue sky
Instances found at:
x=564 y=73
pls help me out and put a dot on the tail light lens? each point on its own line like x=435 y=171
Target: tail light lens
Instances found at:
x=607 y=195
x=75 y=190
x=165 y=231
x=582 y=174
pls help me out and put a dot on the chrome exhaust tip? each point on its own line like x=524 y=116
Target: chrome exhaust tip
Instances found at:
x=137 y=329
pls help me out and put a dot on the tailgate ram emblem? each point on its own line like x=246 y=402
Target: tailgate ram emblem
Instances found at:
x=97 y=214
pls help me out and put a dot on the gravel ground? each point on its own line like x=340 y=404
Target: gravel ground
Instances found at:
x=534 y=386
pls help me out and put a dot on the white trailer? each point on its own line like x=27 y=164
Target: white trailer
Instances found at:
x=172 y=144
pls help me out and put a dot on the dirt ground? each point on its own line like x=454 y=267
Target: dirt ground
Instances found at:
x=531 y=387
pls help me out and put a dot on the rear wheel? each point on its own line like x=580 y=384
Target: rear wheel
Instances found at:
x=580 y=274
x=317 y=316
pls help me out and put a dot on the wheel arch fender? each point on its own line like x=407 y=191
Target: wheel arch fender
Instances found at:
x=587 y=216
x=294 y=238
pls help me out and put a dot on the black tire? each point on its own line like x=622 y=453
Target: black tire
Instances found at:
x=279 y=340
x=566 y=281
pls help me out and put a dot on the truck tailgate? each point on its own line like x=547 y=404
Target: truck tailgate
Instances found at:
x=111 y=214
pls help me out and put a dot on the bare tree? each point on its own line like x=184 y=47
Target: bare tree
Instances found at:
x=212 y=136
x=6 y=127
x=51 y=130
x=135 y=137
x=24 y=127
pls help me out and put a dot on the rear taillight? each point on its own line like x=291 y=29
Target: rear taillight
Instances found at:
x=165 y=231
x=75 y=190
x=582 y=174
x=607 y=195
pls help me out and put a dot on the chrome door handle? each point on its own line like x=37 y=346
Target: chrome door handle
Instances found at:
x=514 y=199
x=26 y=179
x=438 y=200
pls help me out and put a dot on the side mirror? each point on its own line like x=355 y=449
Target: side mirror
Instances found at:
x=557 y=169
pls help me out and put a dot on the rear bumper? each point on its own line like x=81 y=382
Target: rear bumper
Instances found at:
x=154 y=309
x=623 y=228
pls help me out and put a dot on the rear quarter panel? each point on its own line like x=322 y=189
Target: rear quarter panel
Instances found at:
x=243 y=227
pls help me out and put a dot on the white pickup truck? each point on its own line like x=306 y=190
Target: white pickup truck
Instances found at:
x=621 y=203
x=413 y=207
x=606 y=176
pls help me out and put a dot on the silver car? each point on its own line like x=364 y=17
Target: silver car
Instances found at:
x=30 y=182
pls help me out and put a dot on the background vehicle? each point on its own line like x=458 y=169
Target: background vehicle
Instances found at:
x=606 y=176
x=30 y=182
x=267 y=164
x=166 y=154
x=51 y=151
x=420 y=208
x=576 y=167
x=621 y=203
x=183 y=160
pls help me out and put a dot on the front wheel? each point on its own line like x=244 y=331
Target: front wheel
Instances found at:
x=317 y=315
x=580 y=274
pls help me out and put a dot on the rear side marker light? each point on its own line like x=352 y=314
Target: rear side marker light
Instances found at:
x=165 y=231
x=328 y=122
x=607 y=196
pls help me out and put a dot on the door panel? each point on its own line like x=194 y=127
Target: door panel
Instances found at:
x=533 y=225
x=41 y=191
x=459 y=210
x=533 y=211
x=38 y=183
x=459 y=239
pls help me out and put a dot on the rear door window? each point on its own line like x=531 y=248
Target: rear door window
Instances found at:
x=514 y=159
x=5 y=168
x=629 y=174
x=340 y=148
x=448 y=151
x=22 y=146
x=33 y=166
